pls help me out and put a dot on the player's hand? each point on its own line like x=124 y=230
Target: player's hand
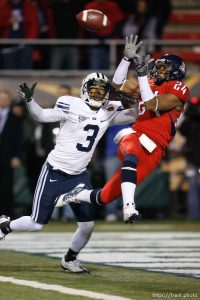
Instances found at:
x=131 y=47
x=141 y=64
x=151 y=64
x=25 y=92
x=117 y=95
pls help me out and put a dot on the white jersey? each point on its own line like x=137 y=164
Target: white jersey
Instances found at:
x=80 y=130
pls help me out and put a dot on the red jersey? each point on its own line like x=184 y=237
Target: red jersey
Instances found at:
x=30 y=19
x=160 y=127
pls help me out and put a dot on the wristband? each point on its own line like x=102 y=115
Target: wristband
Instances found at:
x=156 y=108
x=121 y=72
x=128 y=59
x=121 y=88
x=145 y=90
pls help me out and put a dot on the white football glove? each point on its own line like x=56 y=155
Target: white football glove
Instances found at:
x=131 y=47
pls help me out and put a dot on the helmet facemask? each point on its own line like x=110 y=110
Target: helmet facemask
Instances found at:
x=95 y=90
x=161 y=71
x=168 y=67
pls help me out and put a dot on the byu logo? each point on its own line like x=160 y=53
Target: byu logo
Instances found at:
x=82 y=118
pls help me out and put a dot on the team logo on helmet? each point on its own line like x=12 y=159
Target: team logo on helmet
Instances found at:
x=182 y=68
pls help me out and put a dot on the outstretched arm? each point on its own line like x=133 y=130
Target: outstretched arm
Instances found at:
x=124 y=117
x=154 y=103
x=141 y=64
x=120 y=77
x=45 y=115
x=37 y=112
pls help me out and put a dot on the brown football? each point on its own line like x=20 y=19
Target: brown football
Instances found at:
x=92 y=20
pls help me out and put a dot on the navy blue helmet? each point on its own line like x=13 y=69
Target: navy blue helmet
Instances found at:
x=168 y=67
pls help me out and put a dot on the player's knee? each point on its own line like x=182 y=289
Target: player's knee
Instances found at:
x=130 y=146
x=132 y=151
x=86 y=228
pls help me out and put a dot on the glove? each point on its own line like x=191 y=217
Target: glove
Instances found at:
x=131 y=47
x=117 y=95
x=26 y=93
x=151 y=64
x=141 y=64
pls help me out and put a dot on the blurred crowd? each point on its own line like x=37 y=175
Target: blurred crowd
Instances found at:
x=55 y=19
x=25 y=143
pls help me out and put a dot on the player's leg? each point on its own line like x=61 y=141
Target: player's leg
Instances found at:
x=148 y=163
x=110 y=192
x=79 y=240
x=24 y=223
x=138 y=164
x=85 y=215
x=43 y=205
x=124 y=180
x=129 y=151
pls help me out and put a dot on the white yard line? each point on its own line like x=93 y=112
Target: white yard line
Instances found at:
x=178 y=252
x=61 y=289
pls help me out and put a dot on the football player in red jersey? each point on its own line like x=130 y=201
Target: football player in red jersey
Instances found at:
x=142 y=146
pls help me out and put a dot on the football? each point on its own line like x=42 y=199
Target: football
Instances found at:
x=92 y=20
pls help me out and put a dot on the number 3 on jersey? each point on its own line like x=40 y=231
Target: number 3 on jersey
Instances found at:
x=90 y=138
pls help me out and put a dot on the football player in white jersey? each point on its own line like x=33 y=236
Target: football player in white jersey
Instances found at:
x=83 y=121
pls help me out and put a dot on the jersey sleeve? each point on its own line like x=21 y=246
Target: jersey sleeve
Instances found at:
x=123 y=117
x=179 y=89
x=45 y=115
x=63 y=105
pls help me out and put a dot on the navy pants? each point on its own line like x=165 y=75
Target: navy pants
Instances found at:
x=53 y=183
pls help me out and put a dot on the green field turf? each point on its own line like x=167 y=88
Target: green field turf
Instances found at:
x=130 y=283
x=126 y=282
x=160 y=225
